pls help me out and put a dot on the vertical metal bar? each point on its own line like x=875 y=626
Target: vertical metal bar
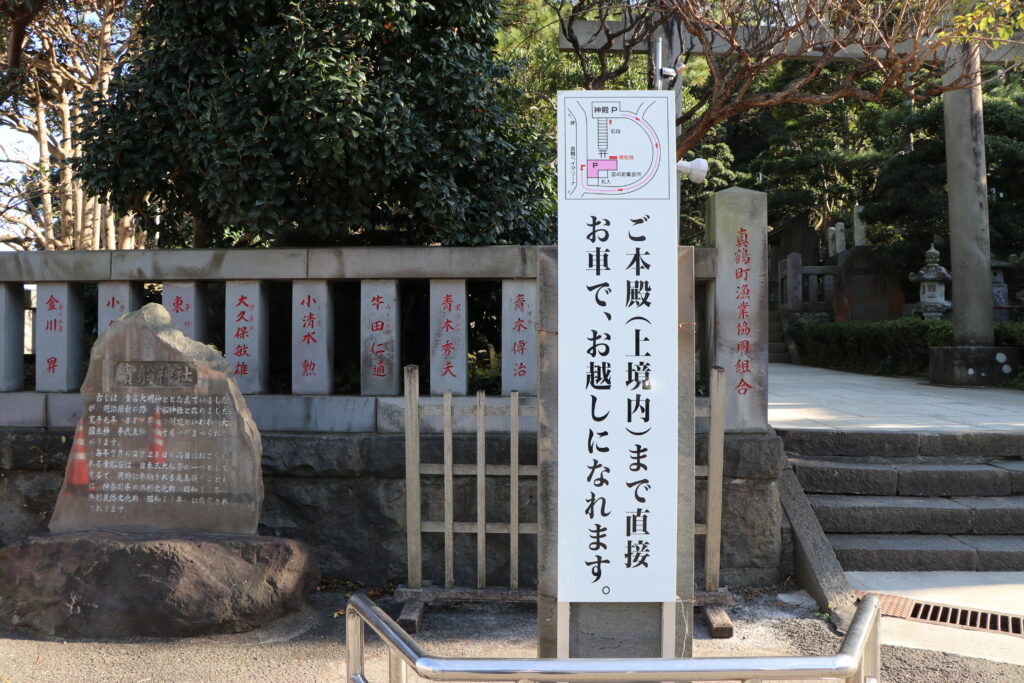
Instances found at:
x=449 y=495
x=513 y=493
x=413 y=539
x=354 y=643
x=481 y=494
x=716 y=447
x=396 y=667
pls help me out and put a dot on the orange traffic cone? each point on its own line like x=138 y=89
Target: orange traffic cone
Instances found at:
x=157 y=455
x=77 y=479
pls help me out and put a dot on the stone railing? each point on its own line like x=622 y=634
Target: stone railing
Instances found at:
x=343 y=311
x=806 y=288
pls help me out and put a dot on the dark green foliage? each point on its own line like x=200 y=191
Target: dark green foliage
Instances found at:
x=320 y=121
x=911 y=192
x=889 y=347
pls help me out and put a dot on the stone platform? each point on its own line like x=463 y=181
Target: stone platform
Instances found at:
x=106 y=584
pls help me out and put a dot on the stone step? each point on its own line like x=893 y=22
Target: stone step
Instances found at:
x=919 y=552
x=894 y=476
x=777 y=347
x=890 y=515
x=906 y=514
x=779 y=358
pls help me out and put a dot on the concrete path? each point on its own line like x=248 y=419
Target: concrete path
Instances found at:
x=802 y=397
x=995 y=591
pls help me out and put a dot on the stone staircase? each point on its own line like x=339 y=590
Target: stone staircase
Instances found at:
x=905 y=514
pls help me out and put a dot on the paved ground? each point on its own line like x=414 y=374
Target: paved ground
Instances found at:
x=801 y=397
x=310 y=646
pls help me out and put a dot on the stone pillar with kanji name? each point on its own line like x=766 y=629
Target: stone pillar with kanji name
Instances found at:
x=312 y=337
x=519 y=337
x=60 y=340
x=737 y=227
x=12 y=336
x=186 y=302
x=115 y=299
x=449 y=339
x=247 y=334
x=379 y=338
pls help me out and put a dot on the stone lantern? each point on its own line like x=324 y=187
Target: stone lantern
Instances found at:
x=933 y=279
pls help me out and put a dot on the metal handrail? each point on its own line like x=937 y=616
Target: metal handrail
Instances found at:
x=858 y=660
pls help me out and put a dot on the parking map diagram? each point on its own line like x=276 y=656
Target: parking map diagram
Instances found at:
x=612 y=148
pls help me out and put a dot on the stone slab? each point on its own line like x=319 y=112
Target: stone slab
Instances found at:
x=838 y=475
x=1016 y=470
x=746 y=456
x=59 y=337
x=391 y=415
x=34 y=450
x=114 y=299
x=186 y=302
x=977 y=442
x=154 y=265
x=247 y=334
x=312 y=326
x=55 y=266
x=995 y=514
x=357 y=263
x=950 y=479
x=890 y=514
x=283 y=413
x=108 y=585
x=997 y=553
x=12 y=337
x=817 y=566
x=814 y=443
x=380 y=347
x=738 y=227
x=63 y=410
x=165 y=441
x=23 y=409
x=519 y=337
x=615 y=630
x=448 y=343
x=903 y=552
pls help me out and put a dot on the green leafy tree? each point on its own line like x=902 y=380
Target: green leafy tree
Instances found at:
x=910 y=198
x=318 y=121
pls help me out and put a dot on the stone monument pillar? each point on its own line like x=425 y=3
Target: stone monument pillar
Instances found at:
x=973 y=360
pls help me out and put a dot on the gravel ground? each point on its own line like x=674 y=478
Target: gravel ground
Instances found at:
x=310 y=646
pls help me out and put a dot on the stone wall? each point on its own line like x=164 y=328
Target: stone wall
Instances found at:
x=343 y=494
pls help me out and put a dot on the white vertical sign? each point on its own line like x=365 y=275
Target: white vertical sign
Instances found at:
x=617 y=347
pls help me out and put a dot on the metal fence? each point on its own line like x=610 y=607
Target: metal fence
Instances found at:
x=858 y=659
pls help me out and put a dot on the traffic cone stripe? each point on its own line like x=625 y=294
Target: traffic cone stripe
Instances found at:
x=78 y=462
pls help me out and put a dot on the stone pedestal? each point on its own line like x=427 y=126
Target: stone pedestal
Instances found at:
x=973 y=366
x=111 y=585
x=59 y=337
x=12 y=337
x=114 y=300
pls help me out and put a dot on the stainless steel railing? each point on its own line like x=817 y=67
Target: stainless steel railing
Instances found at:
x=858 y=660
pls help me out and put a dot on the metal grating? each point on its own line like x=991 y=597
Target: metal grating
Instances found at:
x=949 y=615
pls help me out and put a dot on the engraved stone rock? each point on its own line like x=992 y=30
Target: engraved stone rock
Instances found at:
x=165 y=442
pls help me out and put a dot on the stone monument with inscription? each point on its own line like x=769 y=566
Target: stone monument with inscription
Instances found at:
x=154 y=528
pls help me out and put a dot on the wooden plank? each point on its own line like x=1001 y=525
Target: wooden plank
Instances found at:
x=428 y=526
x=819 y=270
x=467 y=470
x=513 y=495
x=467 y=410
x=431 y=594
x=719 y=623
x=411 y=617
x=698 y=471
x=449 y=496
x=481 y=494
x=412 y=477
x=700 y=529
x=716 y=445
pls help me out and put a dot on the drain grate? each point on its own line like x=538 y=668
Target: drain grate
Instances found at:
x=949 y=615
